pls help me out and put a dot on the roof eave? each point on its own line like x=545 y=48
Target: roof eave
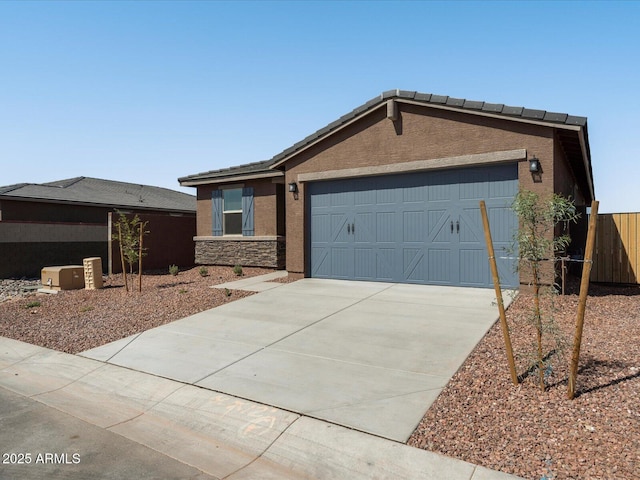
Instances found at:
x=185 y=182
x=90 y=204
x=586 y=159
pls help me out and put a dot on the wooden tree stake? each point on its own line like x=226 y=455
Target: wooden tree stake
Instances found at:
x=582 y=302
x=140 y=258
x=496 y=285
x=124 y=271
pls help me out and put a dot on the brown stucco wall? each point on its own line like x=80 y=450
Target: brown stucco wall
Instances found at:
x=265 y=206
x=420 y=134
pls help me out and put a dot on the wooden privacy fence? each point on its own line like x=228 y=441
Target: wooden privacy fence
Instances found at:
x=617 y=256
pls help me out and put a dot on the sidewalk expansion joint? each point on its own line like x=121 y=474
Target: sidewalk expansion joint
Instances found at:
x=128 y=343
x=75 y=380
x=266 y=449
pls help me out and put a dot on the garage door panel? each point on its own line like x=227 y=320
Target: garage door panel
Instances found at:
x=474 y=267
x=414 y=194
x=386 y=264
x=436 y=221
x=320 y=262
x=364 y=225
x=443 y=230
x=502 y=186
x=341 y=262
x=413 y=265
x=439 y=193
x=506 y=268
x=339 y=231
x=417 y=228
x=365 y=263
x=503 y=224
x=471 y=229
x=386 y=196
x=364 y=197
x=414 y=226
x=386 y=230
x=439 y=266
x=341 y=199
x=321 y=226
x=474 y=185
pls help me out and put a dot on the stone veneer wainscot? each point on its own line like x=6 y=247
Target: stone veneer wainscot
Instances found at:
x=246 y=251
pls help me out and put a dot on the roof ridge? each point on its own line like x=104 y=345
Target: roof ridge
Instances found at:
x=96 y=191
x=11 y=188
x=439 y=101
x=64 y=183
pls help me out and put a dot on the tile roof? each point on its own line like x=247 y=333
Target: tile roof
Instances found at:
x=578 y=152
x=95 y=191
x=480 y=107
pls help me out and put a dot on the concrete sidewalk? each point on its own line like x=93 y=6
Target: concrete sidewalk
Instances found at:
x=211 y=435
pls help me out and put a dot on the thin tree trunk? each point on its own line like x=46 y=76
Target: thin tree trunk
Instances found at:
x=538 y=319
x=140 y=260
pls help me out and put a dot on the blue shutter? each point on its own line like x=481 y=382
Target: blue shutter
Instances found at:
x=247 y=212
x=216 y=202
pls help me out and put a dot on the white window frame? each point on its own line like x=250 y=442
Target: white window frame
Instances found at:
x=225 y=211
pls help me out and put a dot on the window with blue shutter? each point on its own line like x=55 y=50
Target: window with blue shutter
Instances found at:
x=232 y=212
x=247 y=212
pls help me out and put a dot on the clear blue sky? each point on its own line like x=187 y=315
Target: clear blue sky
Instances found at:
x=149 y=91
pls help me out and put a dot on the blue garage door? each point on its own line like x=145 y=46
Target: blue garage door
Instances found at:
x=421 y=228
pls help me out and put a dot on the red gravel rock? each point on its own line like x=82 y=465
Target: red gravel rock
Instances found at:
x=481 y=417
x=76 y=320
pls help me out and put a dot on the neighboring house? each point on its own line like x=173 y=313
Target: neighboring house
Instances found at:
x=390 y=192
x=62 y=222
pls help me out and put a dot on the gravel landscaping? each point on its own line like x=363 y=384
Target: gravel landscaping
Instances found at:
x=76 y=320
x=480 y=416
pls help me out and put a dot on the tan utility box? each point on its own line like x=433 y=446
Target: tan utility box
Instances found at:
x=68 y=277
x=92 y=273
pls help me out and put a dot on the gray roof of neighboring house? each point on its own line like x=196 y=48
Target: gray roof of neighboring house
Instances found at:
x=98 y=192
x=249 y=170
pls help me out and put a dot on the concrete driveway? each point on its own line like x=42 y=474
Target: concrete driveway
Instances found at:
x=369 y=356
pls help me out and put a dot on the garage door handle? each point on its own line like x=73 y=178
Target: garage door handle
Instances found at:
x=458 y=226
x=353 y=227
x=451 y=226
x=348 y=228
